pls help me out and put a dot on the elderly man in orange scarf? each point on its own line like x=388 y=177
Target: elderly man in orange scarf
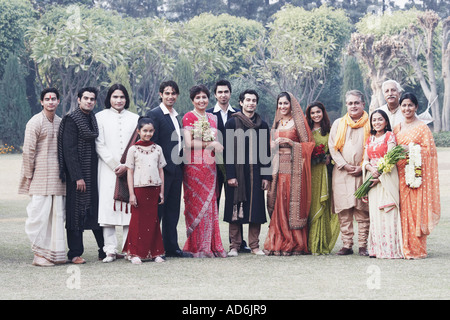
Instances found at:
x=347 y=137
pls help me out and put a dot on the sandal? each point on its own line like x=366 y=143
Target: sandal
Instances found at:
x=109 y=258
x=41 y=262
x=136 y=260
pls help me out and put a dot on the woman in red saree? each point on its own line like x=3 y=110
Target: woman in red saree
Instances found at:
x=419 y=204
x=199 y=178
x=289 y=196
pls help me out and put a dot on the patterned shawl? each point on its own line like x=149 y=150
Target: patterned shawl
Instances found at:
x=243 y=122
x=298 y=213
x=87 y=129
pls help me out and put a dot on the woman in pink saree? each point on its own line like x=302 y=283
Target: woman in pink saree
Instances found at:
x=199 y=178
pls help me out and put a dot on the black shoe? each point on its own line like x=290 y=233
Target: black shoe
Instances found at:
x=245 y=249
x=101 y=254
x=179 y=254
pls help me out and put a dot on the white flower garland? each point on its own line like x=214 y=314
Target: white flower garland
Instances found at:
x=413 y=169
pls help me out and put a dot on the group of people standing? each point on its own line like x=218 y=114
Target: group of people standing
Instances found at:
x=396 y=217
x=302 y=170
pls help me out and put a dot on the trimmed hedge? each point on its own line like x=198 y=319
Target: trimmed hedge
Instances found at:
x=442 y=139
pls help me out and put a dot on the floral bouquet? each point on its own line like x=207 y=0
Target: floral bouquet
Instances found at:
x=319 y=155
x=413 y=168
x=202 y=130
x=385 y=165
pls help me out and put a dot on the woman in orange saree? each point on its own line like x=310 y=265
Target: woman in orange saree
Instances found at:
x=289 y=196
x=419 y=203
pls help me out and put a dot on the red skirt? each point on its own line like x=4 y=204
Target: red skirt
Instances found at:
x=144 y=238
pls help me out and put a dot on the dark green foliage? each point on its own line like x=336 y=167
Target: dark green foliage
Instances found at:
x=184 y=77
x=14 y=106
x=442 y=139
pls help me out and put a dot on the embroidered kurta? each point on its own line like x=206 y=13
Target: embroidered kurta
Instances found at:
x=115 y=130
x=420 y=207
x=146 y=162
x=40 y=172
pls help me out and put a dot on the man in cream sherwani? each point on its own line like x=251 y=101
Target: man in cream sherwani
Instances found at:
x=346 y=144
x=116 y=126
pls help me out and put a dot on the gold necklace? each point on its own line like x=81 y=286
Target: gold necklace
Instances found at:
x=284 y=124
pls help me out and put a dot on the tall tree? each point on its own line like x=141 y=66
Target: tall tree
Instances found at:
x=379 y=49
x=76 y=53
x=14 y=106
x=297 y=51
x=185 y=80
x=134 y=8
x=378 y=57
x=418 y=40
x=446 y=73
x=352 y=79
x=226 y=34
x=15 y=17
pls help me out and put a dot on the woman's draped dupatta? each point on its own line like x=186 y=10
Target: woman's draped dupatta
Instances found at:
x=300 y=200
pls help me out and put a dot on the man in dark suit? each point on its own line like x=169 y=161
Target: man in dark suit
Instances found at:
x=168 y=136
x=223 y=110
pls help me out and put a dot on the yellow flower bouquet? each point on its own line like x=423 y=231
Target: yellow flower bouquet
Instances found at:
x=385 y=165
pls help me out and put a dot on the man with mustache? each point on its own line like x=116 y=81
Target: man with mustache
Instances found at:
x=346 y=143
x=392 y=92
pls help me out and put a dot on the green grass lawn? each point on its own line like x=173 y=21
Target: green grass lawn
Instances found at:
x=244 y=277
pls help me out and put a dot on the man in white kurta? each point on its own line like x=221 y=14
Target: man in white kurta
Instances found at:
x=116 y=126
x=40 y=180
